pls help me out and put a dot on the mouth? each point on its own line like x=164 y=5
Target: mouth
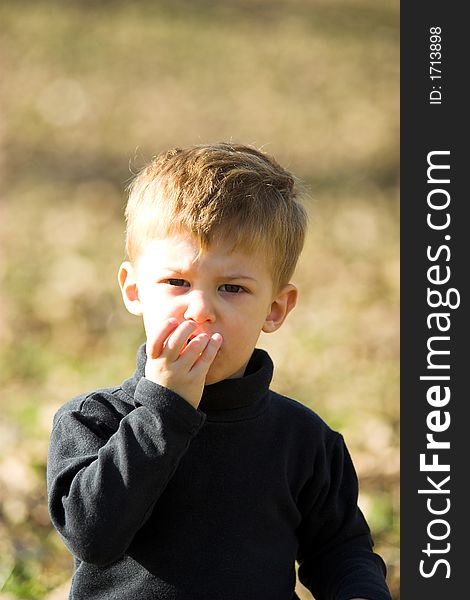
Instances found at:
x=194 y=335
x=190 y=339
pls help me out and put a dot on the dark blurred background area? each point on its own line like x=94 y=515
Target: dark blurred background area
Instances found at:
x=89 y=92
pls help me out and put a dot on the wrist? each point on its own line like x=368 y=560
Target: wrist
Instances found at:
x=160 y=400
x=188 y=395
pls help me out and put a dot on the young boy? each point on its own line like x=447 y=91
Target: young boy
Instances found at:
x=193 y=480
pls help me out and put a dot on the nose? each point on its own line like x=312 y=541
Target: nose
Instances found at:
x=199 y=308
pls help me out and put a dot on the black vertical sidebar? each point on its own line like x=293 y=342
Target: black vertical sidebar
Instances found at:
x=435 y=331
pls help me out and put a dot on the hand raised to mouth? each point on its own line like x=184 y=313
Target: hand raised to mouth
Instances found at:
x=180 y=361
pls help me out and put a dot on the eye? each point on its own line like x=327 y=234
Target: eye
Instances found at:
x=232 y=288
x=177 y=282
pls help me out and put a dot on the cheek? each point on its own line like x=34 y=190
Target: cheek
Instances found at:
x=153 y=315
x=158 y=305
x=150 y=325
x=245 y=332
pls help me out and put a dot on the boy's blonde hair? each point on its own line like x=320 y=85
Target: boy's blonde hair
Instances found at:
x=219 y=192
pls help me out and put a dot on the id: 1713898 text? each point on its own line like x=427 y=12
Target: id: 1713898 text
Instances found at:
x=435 y=71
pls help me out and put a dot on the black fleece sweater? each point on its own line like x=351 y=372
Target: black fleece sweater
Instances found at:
x=158 y=500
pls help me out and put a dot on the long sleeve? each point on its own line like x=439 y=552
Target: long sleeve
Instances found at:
x=156 y=499
x=106 y=471
x=335 y=547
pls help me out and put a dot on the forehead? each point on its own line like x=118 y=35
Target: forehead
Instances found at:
x=183 y=253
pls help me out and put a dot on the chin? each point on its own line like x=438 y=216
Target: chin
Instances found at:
x=216 y=374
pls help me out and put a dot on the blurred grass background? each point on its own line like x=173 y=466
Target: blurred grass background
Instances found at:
x=90 y=90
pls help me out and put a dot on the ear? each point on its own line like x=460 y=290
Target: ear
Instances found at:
x=283 y=303
x=127 y=278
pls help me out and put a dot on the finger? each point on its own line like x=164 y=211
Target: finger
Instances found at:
x=155 y=344
x=208 y=355
x=178 y=339
x=192 y=351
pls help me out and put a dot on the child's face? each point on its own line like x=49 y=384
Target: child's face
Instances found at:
x=223 y=291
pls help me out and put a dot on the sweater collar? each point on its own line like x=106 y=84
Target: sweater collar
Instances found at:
x=244 y=392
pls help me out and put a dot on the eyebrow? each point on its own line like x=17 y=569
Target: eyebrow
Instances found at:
x=238 y=276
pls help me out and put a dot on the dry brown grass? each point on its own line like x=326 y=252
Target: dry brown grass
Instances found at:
x=94 y=86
